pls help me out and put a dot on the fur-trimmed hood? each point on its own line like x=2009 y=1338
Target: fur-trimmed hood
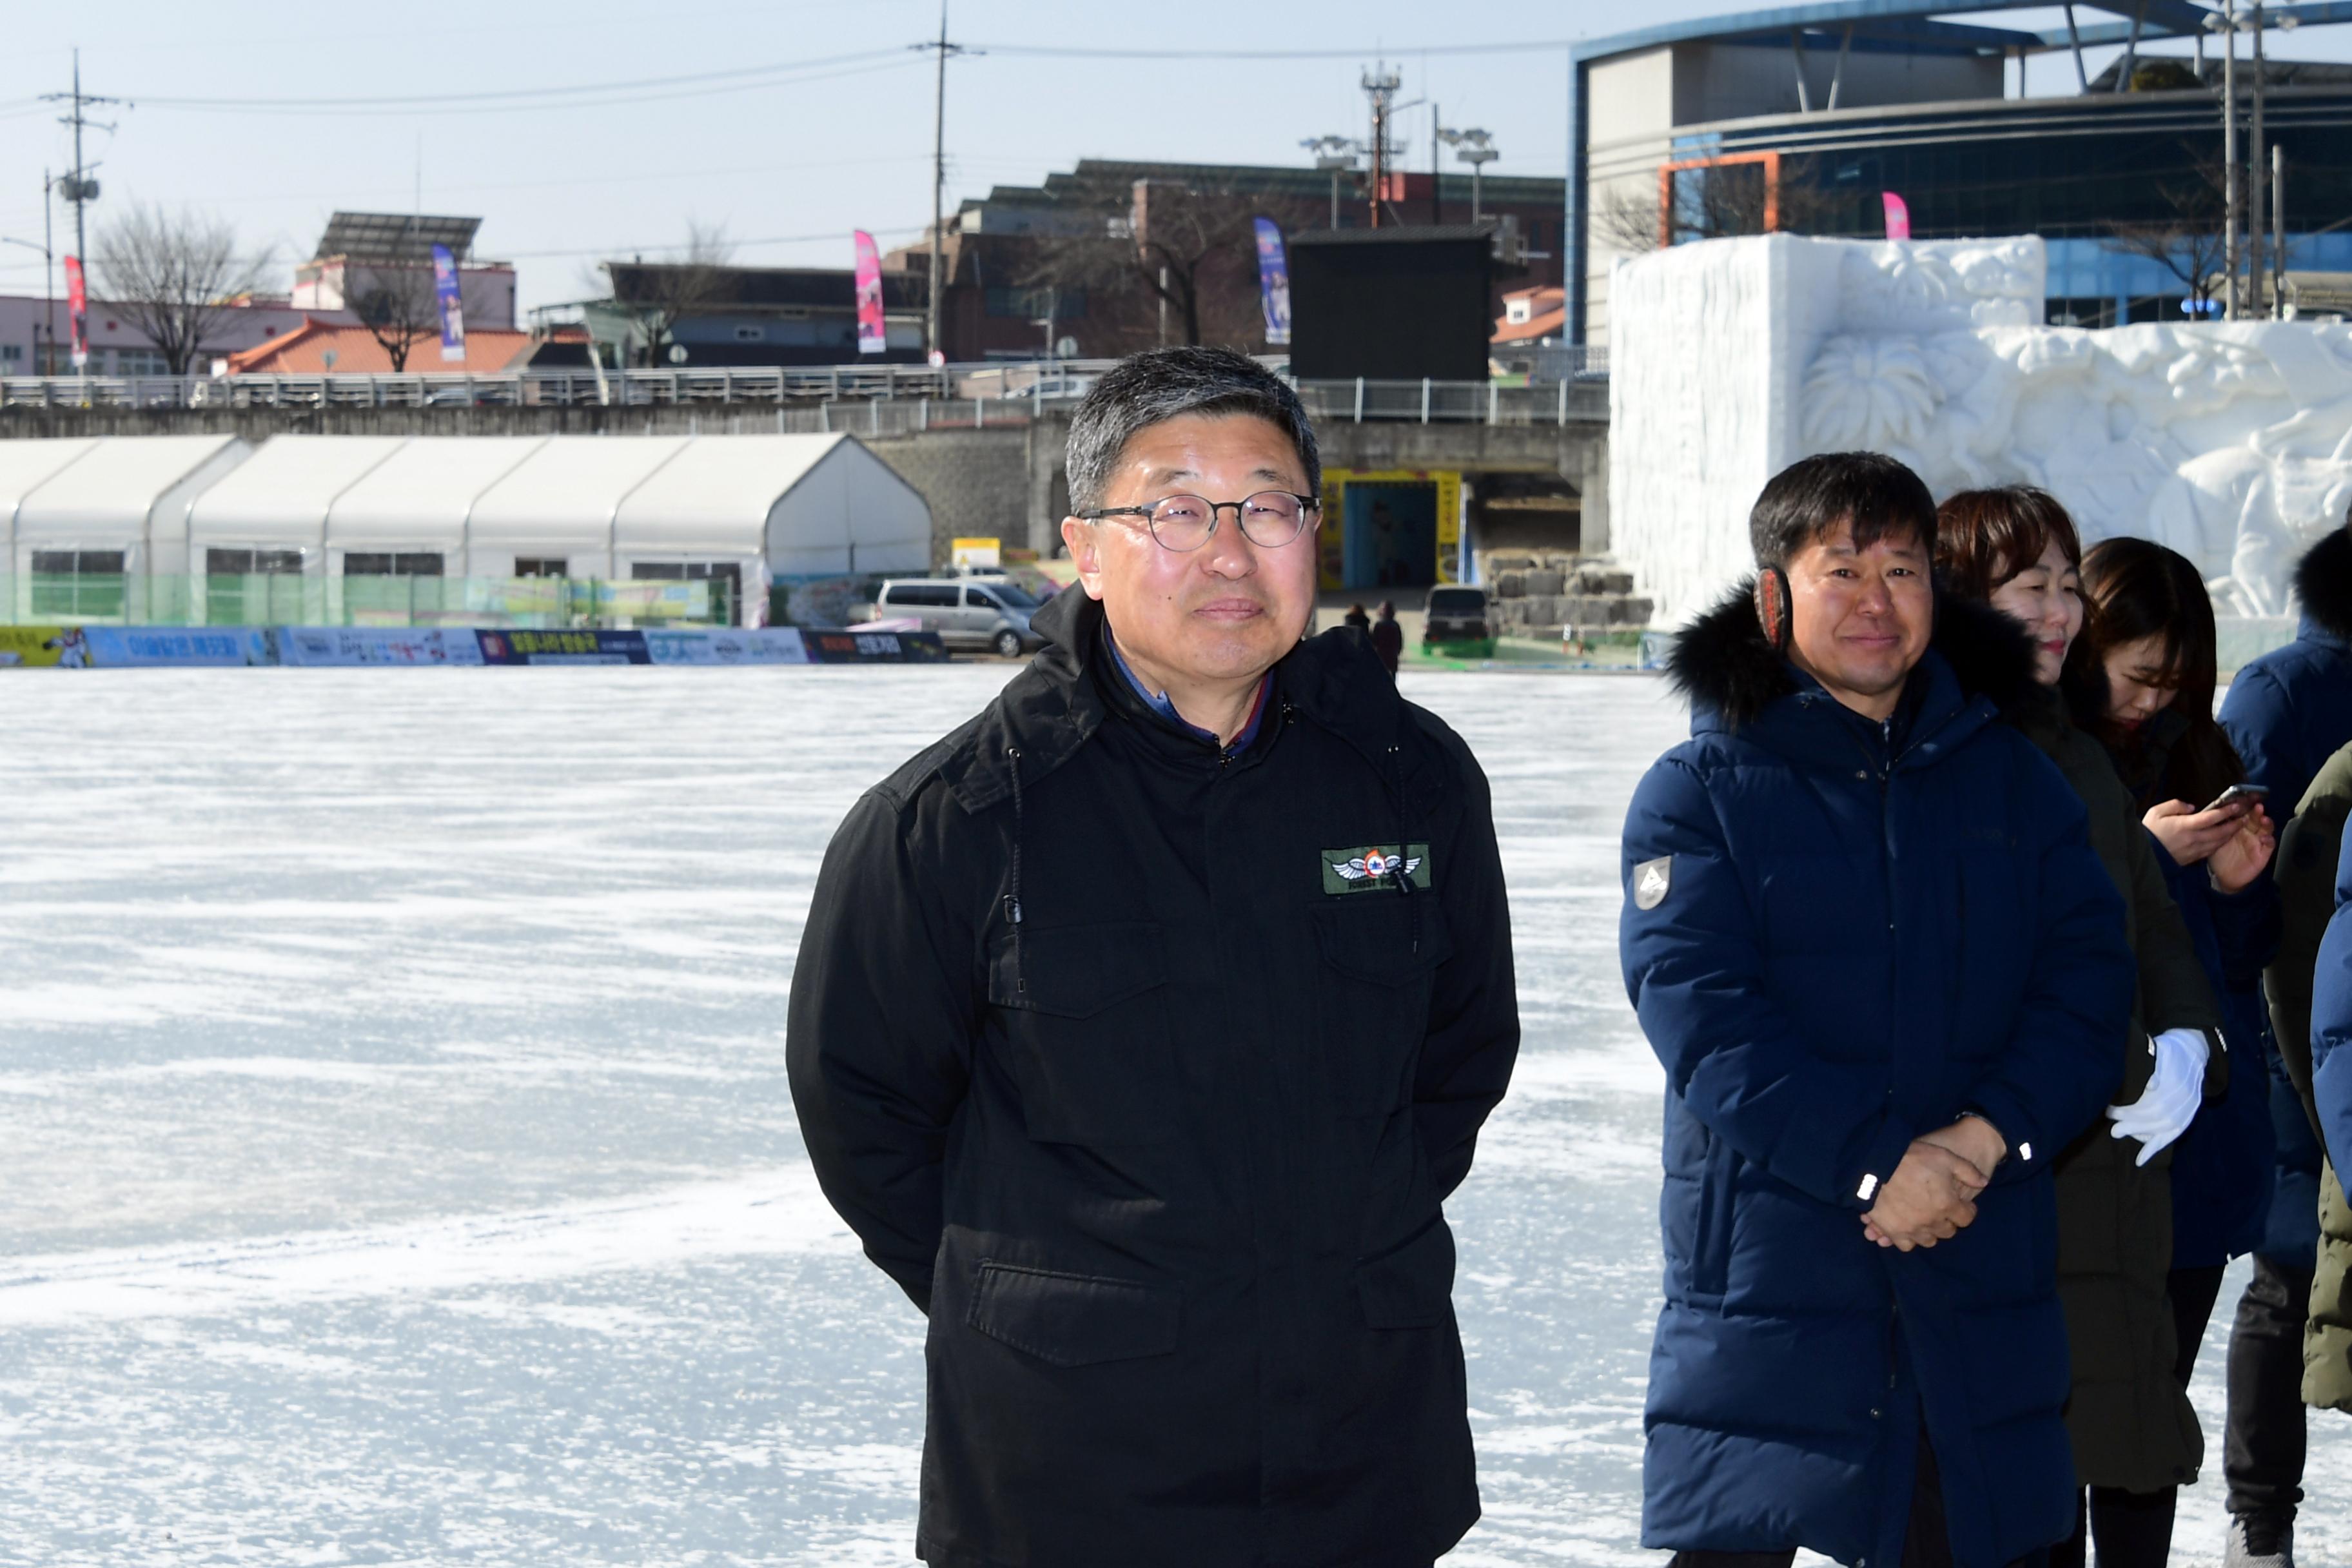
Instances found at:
x=2323 y=581
x=1722 y=664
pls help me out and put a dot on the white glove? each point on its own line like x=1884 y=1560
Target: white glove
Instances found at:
x=2175 y=1091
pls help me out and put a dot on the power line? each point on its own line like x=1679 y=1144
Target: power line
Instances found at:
x=1047 y=51
x=617 y=251
x=446 y=99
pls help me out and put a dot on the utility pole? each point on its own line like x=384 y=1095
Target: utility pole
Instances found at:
x=1437 y=134
x=78 y=187
x=2278 y=229
x=2227 y=21
x=1382 y=84
x=938 y=177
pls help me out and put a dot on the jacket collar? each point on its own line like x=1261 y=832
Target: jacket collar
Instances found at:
x=1051 y=710
x=1977 y=663
x=2323 y=581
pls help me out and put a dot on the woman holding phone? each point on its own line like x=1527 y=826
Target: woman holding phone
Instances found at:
x=2134 y=1435
x=2144 y=683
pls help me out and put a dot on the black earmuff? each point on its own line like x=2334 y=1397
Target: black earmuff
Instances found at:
x=1771 y=595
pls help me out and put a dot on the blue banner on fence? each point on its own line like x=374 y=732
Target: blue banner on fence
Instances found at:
x=564 y=647
x=349 y=645
x=157 y=648
x=752 y=644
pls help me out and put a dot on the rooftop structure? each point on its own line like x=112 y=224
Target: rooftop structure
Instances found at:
x=1799 y=118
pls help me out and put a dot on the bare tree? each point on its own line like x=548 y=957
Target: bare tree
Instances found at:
x=663 y=293
x=1172 y=243
x=397 y=302
x=171 y=275
x=2190 y=240
x=1717 y=202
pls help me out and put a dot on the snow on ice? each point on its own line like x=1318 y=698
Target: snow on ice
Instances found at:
x=396 y=1163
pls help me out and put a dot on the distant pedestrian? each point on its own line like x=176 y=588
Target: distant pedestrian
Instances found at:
x=1144 y=1024
x=1357 y=617
x=1387 y=637
x=1867 y=937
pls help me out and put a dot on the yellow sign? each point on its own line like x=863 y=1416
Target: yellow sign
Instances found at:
x=44 y=646
x=1333 y=545
x=984 y=553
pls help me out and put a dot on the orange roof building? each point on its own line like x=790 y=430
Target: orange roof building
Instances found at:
x=322 y=348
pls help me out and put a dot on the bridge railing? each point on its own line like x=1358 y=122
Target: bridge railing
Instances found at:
x=867 y=399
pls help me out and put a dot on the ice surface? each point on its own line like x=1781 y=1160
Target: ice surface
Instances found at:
x=396 y=1163
x=1730 y=359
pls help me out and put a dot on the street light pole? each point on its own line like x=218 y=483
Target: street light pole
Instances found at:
x=2257 y=274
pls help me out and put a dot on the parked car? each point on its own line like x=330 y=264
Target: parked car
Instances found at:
x=1457 y=626
x=993 y=615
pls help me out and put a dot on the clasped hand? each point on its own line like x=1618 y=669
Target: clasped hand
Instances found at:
x=1931 y=1196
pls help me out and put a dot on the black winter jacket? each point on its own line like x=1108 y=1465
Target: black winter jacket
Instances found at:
x=1123 y=1064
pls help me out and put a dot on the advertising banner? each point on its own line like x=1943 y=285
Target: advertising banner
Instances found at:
x=43 y=648
x=163 y=648
x=345 y=646
x=563 y=648
x=1898 y=215
x=986 y=555
x=451 y=304
x=873 y=336
x=761 y=645
x=1274 y=281
x=76 y=311
x=875 y=648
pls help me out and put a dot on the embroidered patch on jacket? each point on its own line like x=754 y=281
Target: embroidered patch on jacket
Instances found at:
x=1652 y=880
x=1361 y=869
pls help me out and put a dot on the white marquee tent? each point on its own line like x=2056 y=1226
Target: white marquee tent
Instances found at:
x=117 y=507
x=752 y=510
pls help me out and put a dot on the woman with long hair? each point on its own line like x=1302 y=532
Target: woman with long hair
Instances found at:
x=2135 y=1438
x=2144 y=680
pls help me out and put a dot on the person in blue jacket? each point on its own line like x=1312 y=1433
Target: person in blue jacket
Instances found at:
x=2286 y=713
x=1865 y=934
x=2331 y=1013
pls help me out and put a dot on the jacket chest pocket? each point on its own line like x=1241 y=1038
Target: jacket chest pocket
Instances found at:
x=1380 y=957
x=1085 y=1020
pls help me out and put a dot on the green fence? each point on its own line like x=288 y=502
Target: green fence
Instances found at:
x=265 y=599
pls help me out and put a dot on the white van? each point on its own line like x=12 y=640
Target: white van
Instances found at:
x=991 y=613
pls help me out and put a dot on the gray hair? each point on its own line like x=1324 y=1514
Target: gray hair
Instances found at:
x=1158 y=385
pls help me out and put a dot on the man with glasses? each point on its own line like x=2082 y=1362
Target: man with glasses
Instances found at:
x=1143 y=1026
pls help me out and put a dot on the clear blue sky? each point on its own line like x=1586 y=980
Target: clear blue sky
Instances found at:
x=789 y=166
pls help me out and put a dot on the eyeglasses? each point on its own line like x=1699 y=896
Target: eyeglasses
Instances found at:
x=1269 y=519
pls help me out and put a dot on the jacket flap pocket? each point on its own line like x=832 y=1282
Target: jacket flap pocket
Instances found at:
x=1412 y=1286
x=1073 y=1319
x=1373 y=936
x=1075 y=972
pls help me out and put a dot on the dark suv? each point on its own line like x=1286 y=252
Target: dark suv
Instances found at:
x=1458 y=624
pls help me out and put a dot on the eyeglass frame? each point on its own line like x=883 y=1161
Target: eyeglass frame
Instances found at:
x=1306 y=503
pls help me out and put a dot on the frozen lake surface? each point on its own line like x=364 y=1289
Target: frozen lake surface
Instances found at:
x=396 y=1164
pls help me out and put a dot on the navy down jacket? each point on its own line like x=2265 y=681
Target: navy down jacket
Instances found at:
x=1839 y=935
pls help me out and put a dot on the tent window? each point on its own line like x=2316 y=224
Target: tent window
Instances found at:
x=358 y=564
x=254 y=563
x=78 y=583
x=542 y=566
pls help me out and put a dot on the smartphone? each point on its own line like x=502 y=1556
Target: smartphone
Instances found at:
x=2252 y=794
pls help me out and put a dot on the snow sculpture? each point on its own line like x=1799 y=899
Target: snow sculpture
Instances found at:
x=2231 y=443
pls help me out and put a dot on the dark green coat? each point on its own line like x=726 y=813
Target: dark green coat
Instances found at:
x=2305 y=873
x=2130 y=1420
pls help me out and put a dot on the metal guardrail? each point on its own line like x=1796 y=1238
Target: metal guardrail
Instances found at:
x=837 y=397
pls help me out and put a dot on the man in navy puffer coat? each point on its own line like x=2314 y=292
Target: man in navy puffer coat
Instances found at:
x=1867 y=935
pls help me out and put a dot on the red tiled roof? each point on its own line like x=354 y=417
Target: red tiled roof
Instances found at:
x=304 y=350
